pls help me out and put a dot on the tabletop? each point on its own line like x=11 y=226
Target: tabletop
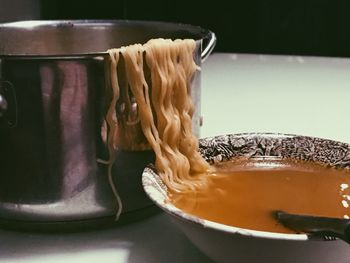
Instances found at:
x=240 y=93
x=271 y=93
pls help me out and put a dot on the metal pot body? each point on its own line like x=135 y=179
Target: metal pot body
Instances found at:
x=52 y=101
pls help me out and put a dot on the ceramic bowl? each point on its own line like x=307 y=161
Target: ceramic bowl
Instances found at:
x=225 y=243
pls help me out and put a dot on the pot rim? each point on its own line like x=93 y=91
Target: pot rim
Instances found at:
x=198 y=33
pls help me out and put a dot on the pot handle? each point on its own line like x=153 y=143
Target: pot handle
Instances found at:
x=209 y=44
x=8 y=104
x=3 y=105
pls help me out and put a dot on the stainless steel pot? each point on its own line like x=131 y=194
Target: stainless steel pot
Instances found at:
x=51 y=110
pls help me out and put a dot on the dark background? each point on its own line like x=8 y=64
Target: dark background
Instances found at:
x=299 y=27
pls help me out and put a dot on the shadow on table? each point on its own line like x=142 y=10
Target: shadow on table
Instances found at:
x=152 y=240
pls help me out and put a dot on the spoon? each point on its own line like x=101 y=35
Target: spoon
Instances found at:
x=328 y=227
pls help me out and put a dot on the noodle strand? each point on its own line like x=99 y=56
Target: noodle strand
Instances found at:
x=161 y=106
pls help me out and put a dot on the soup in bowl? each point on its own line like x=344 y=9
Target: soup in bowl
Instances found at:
x=231 y=218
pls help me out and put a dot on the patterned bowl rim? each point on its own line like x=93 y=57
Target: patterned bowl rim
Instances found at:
x=156 y=191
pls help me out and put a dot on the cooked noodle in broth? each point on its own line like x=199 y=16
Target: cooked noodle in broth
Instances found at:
x=156 y=78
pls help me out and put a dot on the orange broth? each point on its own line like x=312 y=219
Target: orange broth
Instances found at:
x=244 y=193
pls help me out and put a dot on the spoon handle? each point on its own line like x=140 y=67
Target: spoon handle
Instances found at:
x=347 y=232
x=324 y=226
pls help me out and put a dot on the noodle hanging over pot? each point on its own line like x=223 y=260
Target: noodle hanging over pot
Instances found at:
x=156 y=78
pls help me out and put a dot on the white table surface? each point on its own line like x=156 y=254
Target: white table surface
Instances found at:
x=288 y=94
x=240 y=93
